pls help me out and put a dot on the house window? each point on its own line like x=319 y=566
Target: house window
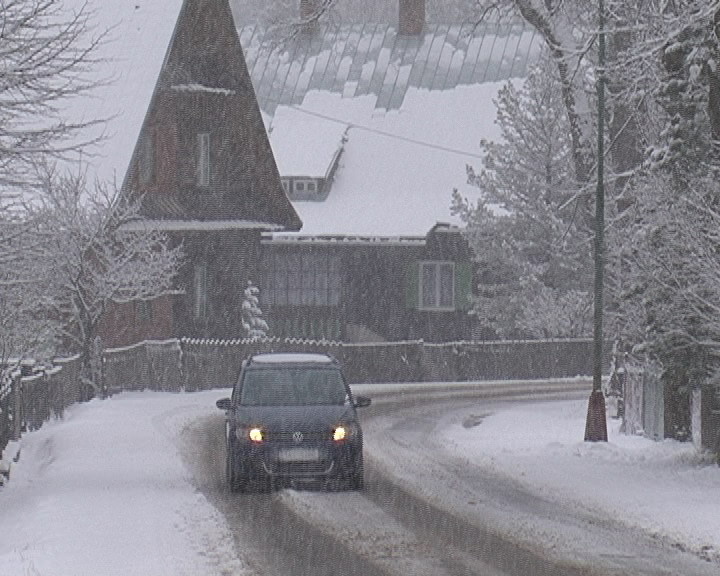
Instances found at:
x=143 y=312
x=147 y=158
x=203 y=160
x=437 y=286
x=200 y=292
x=305 y=186
x=303 y=280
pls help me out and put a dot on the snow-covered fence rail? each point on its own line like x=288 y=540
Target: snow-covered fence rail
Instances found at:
x=7 y=399
x=47 y=393
x=207 y=364
x=28 y=398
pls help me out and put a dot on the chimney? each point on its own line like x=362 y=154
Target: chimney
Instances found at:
x=411 y=17
x=308 y=9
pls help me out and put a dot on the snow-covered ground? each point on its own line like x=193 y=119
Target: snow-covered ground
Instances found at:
x=667 y=489
x=104 y=491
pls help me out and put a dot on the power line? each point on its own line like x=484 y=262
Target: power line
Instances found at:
x=390 y=134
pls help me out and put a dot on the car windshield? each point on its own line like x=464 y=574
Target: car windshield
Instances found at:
x=292 y=387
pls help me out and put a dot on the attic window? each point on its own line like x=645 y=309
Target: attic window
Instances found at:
x=203 y=159
x=305 y=187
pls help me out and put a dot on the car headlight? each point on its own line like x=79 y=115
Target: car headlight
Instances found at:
x=343 y=432
x=253 y=433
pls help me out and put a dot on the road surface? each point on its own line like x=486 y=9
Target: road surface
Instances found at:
x=424 y=511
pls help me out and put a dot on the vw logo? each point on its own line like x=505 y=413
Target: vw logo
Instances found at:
x=297 y=437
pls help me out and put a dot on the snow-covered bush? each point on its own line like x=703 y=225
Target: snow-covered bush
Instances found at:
x=252 y=321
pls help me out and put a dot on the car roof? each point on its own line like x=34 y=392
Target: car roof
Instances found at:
x=291 y=358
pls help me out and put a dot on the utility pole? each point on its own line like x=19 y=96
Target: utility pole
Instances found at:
x=596 y=423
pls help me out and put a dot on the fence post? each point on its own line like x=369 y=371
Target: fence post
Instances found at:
x=17 y=416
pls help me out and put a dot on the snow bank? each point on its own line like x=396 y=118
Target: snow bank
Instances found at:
x=667 y=488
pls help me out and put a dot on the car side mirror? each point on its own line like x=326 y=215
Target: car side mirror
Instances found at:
x=224 y=404
x=362 y=401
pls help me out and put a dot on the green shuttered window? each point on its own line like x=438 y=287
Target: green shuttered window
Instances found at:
x=441 y=286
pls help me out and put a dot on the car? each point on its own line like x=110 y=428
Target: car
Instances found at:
x=292 y=419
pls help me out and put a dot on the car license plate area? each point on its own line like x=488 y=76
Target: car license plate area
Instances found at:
x=298 y=455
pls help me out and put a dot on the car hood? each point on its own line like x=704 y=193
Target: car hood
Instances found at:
x=294 y=417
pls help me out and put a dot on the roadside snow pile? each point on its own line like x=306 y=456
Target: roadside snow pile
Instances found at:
x=104 y=492
x=667 y=489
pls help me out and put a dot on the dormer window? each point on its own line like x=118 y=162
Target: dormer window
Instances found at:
x=203 y=159
x=302 y=188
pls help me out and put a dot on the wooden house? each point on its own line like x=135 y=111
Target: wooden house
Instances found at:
x=201 y=164
x=372 y=127
x=320 y=168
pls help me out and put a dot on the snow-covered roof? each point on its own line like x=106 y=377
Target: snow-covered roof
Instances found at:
x=127 y=65
x=305 y=145
x=292 y=358
x=357 y=60
x=407 y=112
x=398 y=168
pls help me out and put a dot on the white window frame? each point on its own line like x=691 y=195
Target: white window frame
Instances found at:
x=203 y=159
x=305 y=182
x=436 y=267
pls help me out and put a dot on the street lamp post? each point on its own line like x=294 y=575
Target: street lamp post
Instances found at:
x=596 y=423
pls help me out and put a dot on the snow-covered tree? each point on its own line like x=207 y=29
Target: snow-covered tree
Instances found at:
x=529 y=239
x=46 y=57
x=253 y=323
x=92 y=257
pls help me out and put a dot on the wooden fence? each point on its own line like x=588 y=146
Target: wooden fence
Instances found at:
x=29 y=399
x=206 y=364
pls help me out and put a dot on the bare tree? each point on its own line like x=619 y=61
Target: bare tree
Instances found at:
x=93 y=254
x=47 y=55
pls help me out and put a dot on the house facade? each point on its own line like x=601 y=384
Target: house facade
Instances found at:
x=204 y=172
x=369 y=289
x=320 y=168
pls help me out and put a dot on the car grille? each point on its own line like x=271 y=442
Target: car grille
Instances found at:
x=287 y=437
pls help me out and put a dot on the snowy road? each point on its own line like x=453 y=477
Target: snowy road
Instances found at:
x=426 y=510
x=462 y=479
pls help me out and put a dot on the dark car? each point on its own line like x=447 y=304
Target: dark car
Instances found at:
x=291 y=418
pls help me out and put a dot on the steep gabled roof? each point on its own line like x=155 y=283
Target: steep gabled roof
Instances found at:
x=180 y=46
x=128 y=64
x=205 y=59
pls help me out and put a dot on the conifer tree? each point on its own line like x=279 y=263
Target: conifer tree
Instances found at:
x=253 y=323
